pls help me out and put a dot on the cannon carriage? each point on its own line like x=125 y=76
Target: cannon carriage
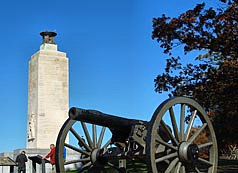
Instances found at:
x=169 y=142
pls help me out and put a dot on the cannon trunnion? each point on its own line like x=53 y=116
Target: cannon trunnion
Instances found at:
x=169 y=142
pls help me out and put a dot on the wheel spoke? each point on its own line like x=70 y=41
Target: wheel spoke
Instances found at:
x=94 y=131
x=80 y=139
x=76 y=149
x=177 y=169
x=169 y=156
x=195 y=135
x=174 y=123
x=172 y=165
x=77 y=161
x=205 y=145
x=160 y=141
x=205 y=161
x=182 y=117
x=197 y=170
x=190 y=124
x=85 y=166
x=87 y=134
x=183 y=169
x=169 y=133
x=101 y=137
x=107 y=143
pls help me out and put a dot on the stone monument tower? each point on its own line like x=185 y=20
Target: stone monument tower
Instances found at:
x=47 y=93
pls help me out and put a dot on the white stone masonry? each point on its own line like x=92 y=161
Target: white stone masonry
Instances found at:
x=48 y=99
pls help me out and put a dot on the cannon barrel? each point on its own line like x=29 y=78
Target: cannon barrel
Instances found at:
x=102 y=119
x=118 y=125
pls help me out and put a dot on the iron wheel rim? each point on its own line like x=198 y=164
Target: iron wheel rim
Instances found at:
x=153 y=127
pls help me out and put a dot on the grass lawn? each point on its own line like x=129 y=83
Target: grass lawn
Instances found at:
x=224 y=166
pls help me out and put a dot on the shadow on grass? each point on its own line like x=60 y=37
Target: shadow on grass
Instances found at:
x=227 y=166
x=132 y=167
x=224 y=166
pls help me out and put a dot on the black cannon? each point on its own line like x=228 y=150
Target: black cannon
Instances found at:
x=179 y=138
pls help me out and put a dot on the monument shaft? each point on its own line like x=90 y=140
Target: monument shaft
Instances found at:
x=47 y=93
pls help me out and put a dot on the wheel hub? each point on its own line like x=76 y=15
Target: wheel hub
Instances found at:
x=97 y=159
x=188 y=152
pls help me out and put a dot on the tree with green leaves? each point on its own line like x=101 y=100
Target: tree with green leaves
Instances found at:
x=213 y=79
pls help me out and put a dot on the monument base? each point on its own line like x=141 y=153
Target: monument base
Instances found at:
x=70 y=155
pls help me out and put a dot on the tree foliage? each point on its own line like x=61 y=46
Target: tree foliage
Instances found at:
x=213 y=79
x=201 y=139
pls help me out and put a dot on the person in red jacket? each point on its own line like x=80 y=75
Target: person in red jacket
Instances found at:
x=51 y=155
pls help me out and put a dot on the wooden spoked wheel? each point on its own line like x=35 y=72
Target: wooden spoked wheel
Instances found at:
x=190 y=144
x=88 y=141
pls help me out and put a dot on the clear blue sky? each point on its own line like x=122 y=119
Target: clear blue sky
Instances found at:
x=112 y=58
